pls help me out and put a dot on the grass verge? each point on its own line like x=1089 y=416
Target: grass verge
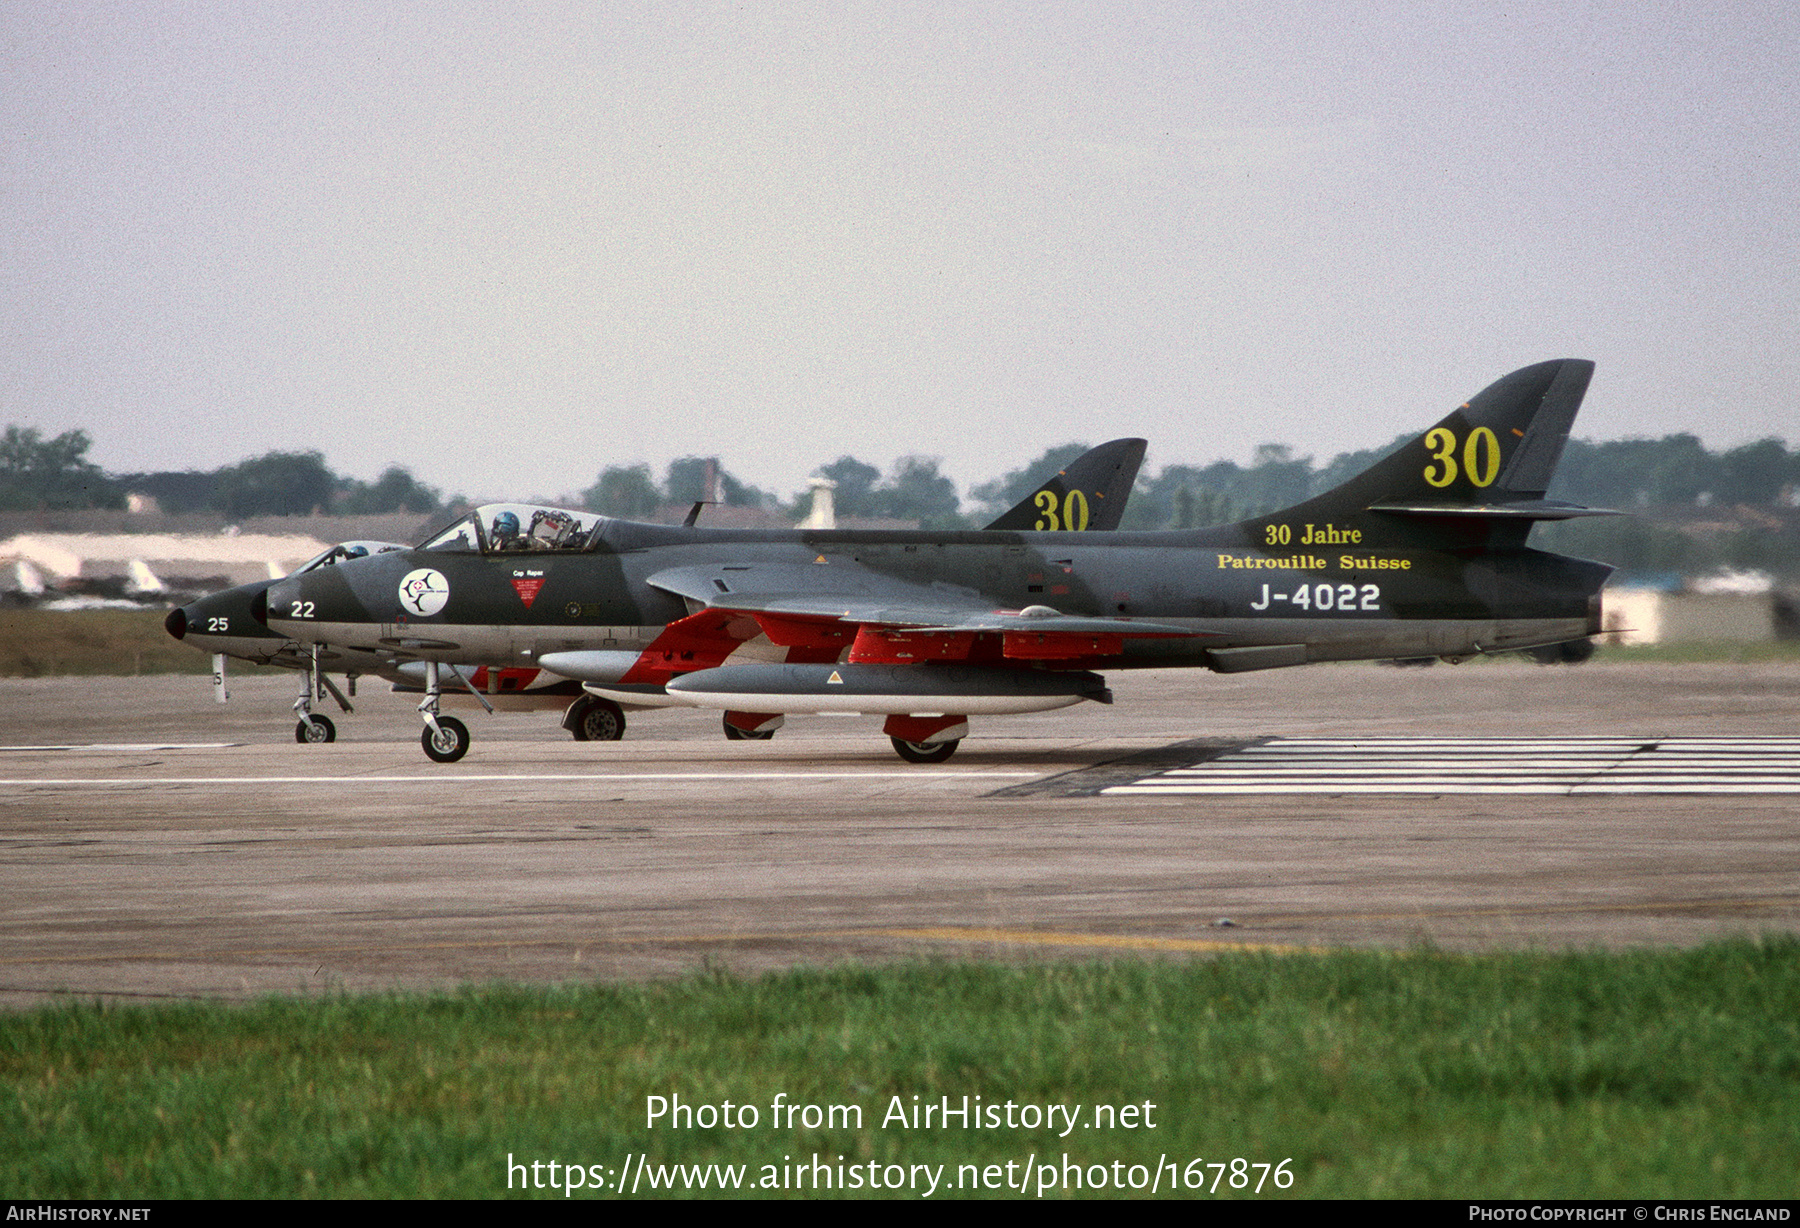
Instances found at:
x=1650 y=1074
x=1713 y=652
x=117 y=643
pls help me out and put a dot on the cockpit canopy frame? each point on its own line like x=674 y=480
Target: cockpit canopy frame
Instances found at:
x=517 y=528
x=343 y=552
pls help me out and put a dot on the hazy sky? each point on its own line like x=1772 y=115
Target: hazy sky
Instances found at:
x=507 y=245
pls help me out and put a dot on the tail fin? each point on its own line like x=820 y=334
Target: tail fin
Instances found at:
x=1480 y=473
x=1090 y=494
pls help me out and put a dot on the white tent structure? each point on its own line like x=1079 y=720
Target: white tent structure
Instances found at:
x=151 y=562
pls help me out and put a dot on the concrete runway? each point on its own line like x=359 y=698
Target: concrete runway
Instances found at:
x=265 y=866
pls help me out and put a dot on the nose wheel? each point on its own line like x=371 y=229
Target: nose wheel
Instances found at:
x=445 y=738
x=446 y=741
x=313 y=728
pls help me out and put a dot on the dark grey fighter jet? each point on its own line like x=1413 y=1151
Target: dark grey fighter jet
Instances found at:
x=1424 y=554
x=1089 y=495
x=220 y=624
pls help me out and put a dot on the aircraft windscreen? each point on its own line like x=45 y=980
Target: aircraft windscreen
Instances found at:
x=517 y=528
x=459 y=536
x=344 y=551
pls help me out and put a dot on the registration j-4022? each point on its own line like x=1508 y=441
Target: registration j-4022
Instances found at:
x=1324 y=598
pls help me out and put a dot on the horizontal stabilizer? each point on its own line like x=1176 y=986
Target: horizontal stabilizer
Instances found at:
x=1524 y=509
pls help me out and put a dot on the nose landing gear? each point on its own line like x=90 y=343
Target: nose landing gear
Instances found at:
x=311 y=728
x=445 y=738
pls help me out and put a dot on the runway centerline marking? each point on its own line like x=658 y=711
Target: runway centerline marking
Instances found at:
x=133 y=747
x=1574 y=766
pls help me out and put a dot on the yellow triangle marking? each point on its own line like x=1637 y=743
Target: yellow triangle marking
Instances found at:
x=836 y=677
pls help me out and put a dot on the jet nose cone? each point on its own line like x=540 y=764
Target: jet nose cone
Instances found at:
x=176 y=624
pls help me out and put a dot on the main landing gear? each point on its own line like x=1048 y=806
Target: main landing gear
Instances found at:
x=592 y=719
x=926 y=739
x=752 y=726
x=925 y=752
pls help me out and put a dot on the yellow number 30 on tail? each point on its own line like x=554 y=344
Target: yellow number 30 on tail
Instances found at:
x=1480 y=456
x=1073 y=517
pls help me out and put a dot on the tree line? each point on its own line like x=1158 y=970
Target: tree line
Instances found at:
x=913 y=490
x=1672 y=481
x=55 y=474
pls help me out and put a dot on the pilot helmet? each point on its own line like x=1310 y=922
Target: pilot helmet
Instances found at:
x=506 y=526
x=356 y=552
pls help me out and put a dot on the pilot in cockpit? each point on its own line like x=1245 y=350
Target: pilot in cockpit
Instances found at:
x=505 y=533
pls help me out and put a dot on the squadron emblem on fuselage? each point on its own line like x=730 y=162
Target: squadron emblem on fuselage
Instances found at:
x=424 y=591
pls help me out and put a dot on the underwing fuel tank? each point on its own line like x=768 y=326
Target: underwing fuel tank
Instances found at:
x=590 y=665
x=885 y=689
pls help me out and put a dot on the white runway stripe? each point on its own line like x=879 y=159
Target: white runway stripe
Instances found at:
x=442 y=777
x=1570 y=766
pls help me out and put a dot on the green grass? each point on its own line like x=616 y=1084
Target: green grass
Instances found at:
x=1644 y=1074
x=114 y=643
x=1718 y=652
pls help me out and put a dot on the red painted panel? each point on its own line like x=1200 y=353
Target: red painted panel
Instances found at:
x=882 y=646
x=1061 y=645
x=793 y=631
x=699 y=641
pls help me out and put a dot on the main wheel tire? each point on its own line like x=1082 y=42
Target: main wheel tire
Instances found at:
x=601 y=720
x=314 y=729
x=925 y=752
x=448 y=743
x=734 y=734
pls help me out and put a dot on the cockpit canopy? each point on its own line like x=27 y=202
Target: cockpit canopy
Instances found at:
x=516 y=528
x=343 y=552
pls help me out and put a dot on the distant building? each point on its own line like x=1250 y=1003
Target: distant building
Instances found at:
x=824 y=510
x=1739 y=607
